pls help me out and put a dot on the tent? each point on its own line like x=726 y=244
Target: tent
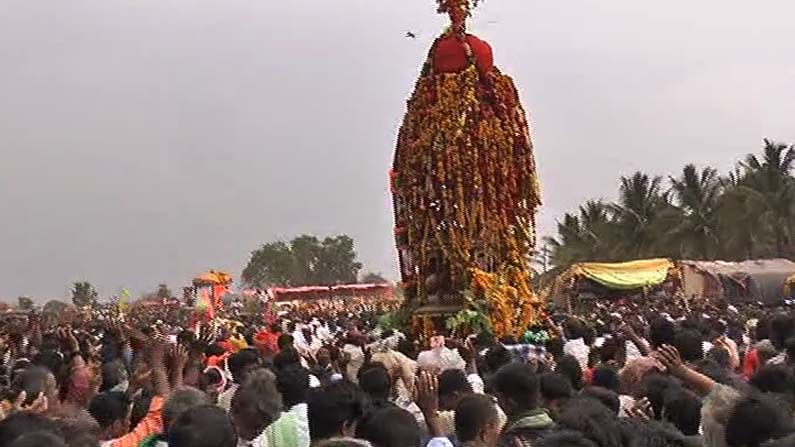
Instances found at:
x=625 y=275
x=617 y=277
x=762 y=280
x=371 y=291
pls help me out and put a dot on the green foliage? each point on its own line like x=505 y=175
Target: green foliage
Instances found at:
x=306 y=260
x=83 y=294
x=472 y=319
x=696 y=230
x=25 y=303
x=373 y=278
x=396 y=319
x=271 y=264
x=163 y=292
x=750 y=213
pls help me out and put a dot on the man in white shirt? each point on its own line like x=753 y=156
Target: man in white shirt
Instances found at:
x=579 y=350
x=575 y=332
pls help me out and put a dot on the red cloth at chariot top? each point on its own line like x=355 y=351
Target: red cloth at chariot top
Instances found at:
x=450 y=55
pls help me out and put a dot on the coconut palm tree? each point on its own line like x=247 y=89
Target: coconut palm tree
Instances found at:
x=641 y=203
x=587 y=236
x=696 y=195
x=741 y=211
x=748 y=214
x=568 y=246
x=771 y=177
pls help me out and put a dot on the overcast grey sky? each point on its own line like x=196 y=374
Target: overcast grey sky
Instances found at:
x=143 y=141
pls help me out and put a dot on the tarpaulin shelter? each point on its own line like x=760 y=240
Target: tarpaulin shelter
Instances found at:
x=619 y=276
x=382 y=291
x=625 y=275
x=762 y=280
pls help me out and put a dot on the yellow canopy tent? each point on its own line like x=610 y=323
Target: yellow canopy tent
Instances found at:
x=625 y=275
x=630 y=275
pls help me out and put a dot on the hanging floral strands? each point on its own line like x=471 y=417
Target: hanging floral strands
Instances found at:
x=464 y=183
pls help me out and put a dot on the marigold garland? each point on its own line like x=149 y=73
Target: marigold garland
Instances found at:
x=512 y=305
x=465 y=192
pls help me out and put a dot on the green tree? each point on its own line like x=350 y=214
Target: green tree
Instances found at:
x=163 y=292
x=306 y=260
x=541 y=258
x=338 y=263
x=373 y=278
x=748 y=214
x=771 y=177
x=271 y=264
x=587 y=236
x=306 y=263
x=741 y=226
x=25 y=303
x=641 y=204
x=696 y=194
x=83 y=294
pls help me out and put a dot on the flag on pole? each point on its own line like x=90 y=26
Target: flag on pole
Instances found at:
x=124 y=300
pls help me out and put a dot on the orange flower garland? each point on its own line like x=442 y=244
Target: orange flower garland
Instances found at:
x=512 y=304
x=465 y=189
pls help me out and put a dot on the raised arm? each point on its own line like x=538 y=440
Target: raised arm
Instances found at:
x=80 y=376
x=427 y=399
x=179 y=358
x=157 y=354
x=670 y=358
x=195 y=365
x=632 y=336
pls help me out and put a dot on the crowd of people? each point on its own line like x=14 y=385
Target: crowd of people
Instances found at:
x=631 y=373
